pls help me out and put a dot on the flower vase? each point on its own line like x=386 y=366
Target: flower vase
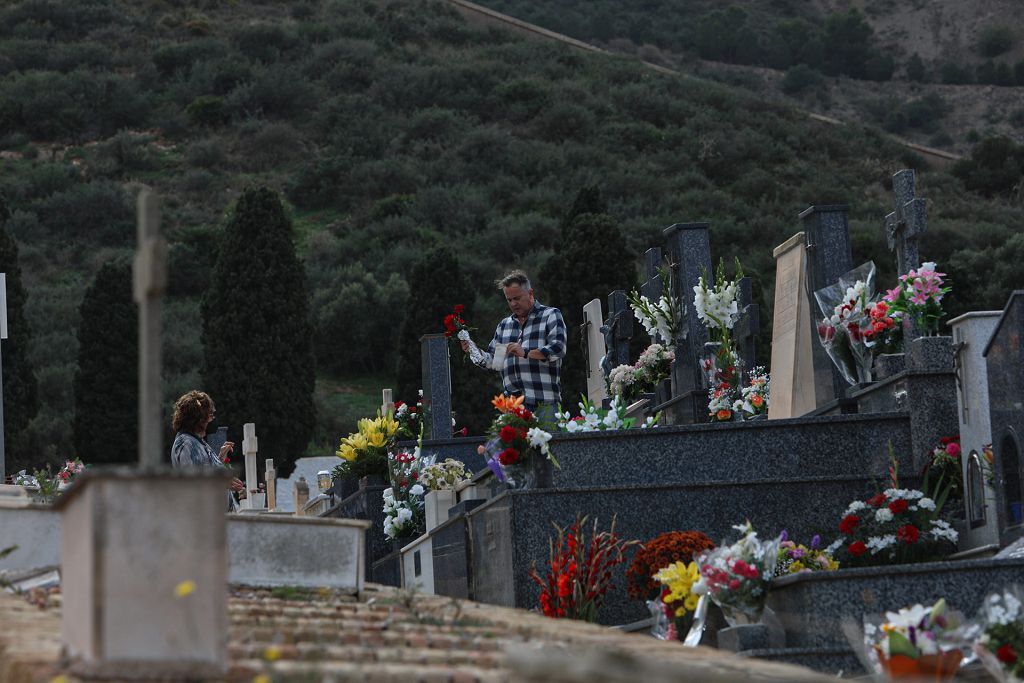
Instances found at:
x=436 y=505
x=938 y=667
x=533 y=471
x=740 y=615
x=709 y=363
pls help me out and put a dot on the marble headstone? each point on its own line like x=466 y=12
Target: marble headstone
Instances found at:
x=1004 y=357
x=792 y=369
x=437 y=386
x=971 y=332
x=596 y=387
x=827 y=236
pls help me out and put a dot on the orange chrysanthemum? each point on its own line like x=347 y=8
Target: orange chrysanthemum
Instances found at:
x=506 y=404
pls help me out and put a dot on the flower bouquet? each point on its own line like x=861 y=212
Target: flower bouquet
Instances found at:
x=896 y=526
x=366 y=450
x=945 y=465
x=753 y=401
x=660 y=318
x=71 y=470
x=797 y=558
x=664 y=595
x=518 y=445
x=851 y=322
x=919 y=295
x=403 y=501
x=455 y=326
x=594 y=419
x=718 y=309
x=653 y=366
x=445 y=475
x=737 y=577
x=409 y=420
x=915 y=643
x=999 y=636
x=580 y=570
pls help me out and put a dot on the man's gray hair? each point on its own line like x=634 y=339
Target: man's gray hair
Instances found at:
x=515 y=277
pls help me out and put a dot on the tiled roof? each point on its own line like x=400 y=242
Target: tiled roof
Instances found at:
x=392 y=635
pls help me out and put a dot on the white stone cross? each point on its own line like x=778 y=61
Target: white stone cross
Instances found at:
x=149 y=284
x=250 y=448
x=387 y=402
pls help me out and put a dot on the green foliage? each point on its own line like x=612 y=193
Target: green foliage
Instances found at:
x=437 y=282
x=801 y=78
x=591 y=259
x=257 y=336
x=995 y=167
x=107 y=382
x=996 y=39
x=953 y=73
x=20 y=389
x=207 y=110
x=916 y=69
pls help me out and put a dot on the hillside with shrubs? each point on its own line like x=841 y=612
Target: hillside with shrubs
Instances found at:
x=395 y=131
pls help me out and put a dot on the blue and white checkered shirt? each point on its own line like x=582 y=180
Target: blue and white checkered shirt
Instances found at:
x=538 y=380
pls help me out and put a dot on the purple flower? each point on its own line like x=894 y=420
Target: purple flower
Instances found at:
x=815 y=542
x=784 y=536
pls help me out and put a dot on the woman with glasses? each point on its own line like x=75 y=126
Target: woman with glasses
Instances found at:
x=193 y=414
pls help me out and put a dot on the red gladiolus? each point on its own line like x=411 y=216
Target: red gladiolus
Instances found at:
x=509 y=456
x=898 y=506
x=849 y=523
x=1006 y=654
x=908 y=533
x=564 y=587
x=857 y=548
x=507 y=434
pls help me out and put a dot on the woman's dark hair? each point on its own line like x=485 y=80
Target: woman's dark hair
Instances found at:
x=191 y=411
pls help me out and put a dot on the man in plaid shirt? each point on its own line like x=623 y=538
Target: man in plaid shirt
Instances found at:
x=536 y=338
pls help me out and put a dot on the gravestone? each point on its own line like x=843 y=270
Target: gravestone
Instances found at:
x=617 y=331
x=593 y=342
x=652 y=285
x=3 y=335
x=827 y=239
x=792 y=369
x=689 y=250
x=1004 y=357
x=903 y=228
x=971 y=333
x=437 y=386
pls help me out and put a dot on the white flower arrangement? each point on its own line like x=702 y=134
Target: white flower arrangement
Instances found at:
x=444 y=475
x=593 y=419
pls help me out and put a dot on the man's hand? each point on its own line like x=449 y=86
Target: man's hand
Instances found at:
x=465 y=345
x=236 y=485
x=536 y=354
x=516 y=349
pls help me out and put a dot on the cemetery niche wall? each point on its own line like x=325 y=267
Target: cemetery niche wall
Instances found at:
x=828 y=443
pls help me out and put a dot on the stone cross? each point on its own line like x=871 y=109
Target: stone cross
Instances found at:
x=689 y=250
x=905 y=225
x=746 y=329
x=903 y=228
x=827 y=239
x=149 y=284
x=617 y=331
x=594 y=352
x=250 y=447
x=437 y=386
x=652 y=286
x=270 y=474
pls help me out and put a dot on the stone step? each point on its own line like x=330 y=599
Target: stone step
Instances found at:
x=855 y=445
x=510 y=533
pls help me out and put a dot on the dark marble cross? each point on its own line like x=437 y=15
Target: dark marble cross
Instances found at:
x=746 y=329
x=903 y=228
x=905 y=225
x=652 y=286
x=617 y=331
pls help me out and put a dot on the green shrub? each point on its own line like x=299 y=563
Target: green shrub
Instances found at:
x=994 y=40
x=801 y=78
x=206 y=153
x=207 y=110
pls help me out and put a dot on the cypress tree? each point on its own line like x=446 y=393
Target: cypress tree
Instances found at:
x=107 y=382
x=436 y=285
x=21 y=399
x=590 y=261
x=257 y=335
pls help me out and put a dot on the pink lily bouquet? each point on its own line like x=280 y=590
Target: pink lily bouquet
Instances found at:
x=919 y=295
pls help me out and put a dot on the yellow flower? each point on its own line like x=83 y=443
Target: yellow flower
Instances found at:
x=679 y=578
x=388 y=425
x=376 y=439
x=272 y=653
x=796 y=567
x=185 y=588
x=262 y=678
x=59 y=679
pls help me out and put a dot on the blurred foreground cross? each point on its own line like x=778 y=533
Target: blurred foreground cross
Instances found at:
x=150 y=281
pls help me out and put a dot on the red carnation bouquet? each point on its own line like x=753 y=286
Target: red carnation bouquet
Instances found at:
x=455 y=324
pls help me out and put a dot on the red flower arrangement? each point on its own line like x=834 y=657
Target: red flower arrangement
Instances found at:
x=580 y=571
x=658 y=553
x=454 y=323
